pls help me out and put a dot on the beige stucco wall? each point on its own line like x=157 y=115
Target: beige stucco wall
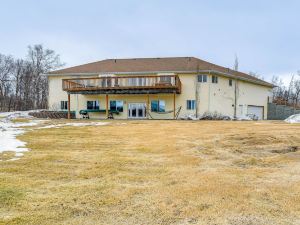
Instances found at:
x=251 y=94
x=210 y=97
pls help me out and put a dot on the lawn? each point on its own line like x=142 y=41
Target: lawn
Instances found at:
x=155 y=172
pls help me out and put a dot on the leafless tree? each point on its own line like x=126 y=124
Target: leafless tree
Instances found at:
x=6 y=69
x=255 y=74
x=287 y=95
x=236 y=63
x=23 y=85
x=41 y=61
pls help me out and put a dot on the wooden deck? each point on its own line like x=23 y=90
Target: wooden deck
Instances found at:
x=123 y=85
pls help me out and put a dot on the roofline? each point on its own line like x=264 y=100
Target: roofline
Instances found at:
x=263 y=83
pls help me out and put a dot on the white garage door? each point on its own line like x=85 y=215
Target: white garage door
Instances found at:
x=257 y=111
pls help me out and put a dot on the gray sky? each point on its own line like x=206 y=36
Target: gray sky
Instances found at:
x=264 y=34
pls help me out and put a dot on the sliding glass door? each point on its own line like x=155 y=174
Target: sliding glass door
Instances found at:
x=137 y=110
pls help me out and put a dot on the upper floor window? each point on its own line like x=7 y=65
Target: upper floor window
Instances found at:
x=132 y=81
x=158 y=106
x=64 y=105
x=214 y=79
x=202 y=78
x=230 y=82
x=165 y=79
x=137 y=81
x=190 y=104
x=93 y=105
x=116 y=106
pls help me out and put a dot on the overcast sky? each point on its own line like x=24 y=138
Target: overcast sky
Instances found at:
x=265 y=34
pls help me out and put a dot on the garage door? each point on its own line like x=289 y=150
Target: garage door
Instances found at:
x=257 y=111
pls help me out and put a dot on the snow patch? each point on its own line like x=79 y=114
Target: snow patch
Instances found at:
x=74 y=125
x=9 y=131
x=244 y=118
x=293 y=119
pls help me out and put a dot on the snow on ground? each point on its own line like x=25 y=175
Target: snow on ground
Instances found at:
x=74 y=125
x=293 y=119
x=244 y=118
x=10 y=130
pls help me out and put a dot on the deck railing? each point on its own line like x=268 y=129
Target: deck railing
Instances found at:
x=162 y=82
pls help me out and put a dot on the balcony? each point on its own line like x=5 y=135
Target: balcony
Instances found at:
x=123 y=85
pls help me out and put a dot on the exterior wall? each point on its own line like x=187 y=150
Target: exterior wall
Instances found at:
x=126 y=100
x=56 y=94
x=216 y=97
x=251 y=94
x=188 y=92
x=210 y=97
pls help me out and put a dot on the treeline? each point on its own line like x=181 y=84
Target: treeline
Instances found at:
x=287 y=95
x=23 y=85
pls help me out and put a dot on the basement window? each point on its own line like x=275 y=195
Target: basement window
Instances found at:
x=92 y=105
x=190 y=104
x=64 y=105
x=202 y=78
x=158 y=106
x=214 y=79
x=230 y=82
x=116 y=106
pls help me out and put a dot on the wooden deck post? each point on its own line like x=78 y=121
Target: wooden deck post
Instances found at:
x=174 y=105
x=69 y=106
x=148 y=104
x=106 y=98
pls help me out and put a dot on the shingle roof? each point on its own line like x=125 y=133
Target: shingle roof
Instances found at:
x=172 y=64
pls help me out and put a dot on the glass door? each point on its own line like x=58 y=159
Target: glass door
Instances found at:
x=136 y=110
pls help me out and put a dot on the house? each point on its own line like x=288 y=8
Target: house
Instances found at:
x=158 y=88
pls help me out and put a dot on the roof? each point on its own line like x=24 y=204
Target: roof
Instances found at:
x=170 y=64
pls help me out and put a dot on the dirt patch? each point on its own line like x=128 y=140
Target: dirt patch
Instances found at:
x=286 y=150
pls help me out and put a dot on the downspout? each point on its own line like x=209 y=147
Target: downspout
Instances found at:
x=196 y=93
x=209 y=92
x=235 y=97
x=77 y=107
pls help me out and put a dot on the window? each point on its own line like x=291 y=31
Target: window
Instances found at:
x=93 y=105
x=165 y=79
x=158 y=106
x=64 y=105
x=230 y=82
x=137 y=81
x=190 y=104
x=214 y=79
x=116 y=106
x=141 y=81
x=106 y=82
x=202 y=78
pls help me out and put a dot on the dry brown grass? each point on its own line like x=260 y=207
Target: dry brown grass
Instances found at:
x=155 y=172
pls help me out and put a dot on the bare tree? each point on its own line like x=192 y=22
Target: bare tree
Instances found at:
x=6 y=69
x=236 y=63
x=255 y=74
x=297 y=89
x=287 y=95
x=42 y=61
x=23 y=84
